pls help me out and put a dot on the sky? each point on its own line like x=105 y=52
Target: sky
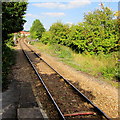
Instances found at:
x=65 y=11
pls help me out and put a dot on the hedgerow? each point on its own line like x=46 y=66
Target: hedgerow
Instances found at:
x=97 y=34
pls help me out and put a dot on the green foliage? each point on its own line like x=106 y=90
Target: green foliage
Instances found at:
x=47 y=38
x=109 y=72
x=12 y=21
x=103 y=31
x=37 y=29
x=8 y=58
x=96 y=35
x=103 y=66
x=76 y=38
x=61 y=51
x=10 y=41
x=59 y=33
x=12 y=17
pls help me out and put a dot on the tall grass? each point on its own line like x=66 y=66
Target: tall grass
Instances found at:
x=97 y=65
x=102 y=66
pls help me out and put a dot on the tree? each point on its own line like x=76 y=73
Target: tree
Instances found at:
x=97 y=34
x=59 y=32
x=12 y=21
x=103 y=29
x=12 y=17
x=37 y=29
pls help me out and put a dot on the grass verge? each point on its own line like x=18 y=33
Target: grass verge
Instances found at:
x=102 y=66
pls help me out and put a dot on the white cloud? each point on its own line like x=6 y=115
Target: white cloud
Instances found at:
x=67 y=5
x=47 y=5
x=31 y=15
x=55 y=14
x=28 y=14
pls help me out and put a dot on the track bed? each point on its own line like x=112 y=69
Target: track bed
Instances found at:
x=70 y=103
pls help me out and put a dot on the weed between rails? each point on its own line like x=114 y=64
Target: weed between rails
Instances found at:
x=102 y=66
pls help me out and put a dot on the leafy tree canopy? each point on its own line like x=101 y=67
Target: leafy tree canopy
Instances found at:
x=60 y=32
x=12 y=17
x=97 y=34
x=37 y=29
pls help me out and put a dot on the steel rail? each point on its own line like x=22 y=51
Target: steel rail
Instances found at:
x=38 y=75
x=77 y=90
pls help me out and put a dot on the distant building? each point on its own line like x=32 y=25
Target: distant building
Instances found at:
x=24 y=33
x=19 y=34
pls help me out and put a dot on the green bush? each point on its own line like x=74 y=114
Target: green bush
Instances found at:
x=59 y=32
x=109 y=72
x=96 y=35
x=8 y=59
x=10 y=41
x=47 y=38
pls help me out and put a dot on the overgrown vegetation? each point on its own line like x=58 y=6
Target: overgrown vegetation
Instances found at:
x=97 y=34
x=8 y=58
x=12 y=18
x=95 y=43
x=12 y=21
x=102 y=66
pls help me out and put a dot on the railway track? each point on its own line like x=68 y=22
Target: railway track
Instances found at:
x=69 y=102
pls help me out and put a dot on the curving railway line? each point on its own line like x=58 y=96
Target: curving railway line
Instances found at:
x=70 y=104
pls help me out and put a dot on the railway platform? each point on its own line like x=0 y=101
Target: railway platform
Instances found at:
x=19 y=101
